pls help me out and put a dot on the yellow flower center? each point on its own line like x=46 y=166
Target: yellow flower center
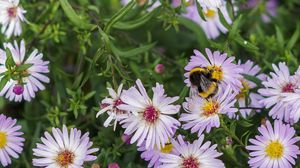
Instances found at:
x=65 y=158
x=3 y=139
x=274 y=150
x=217 y=72
x=167 y=149
x=210 y=13
x=210 y=108
x=244 y=90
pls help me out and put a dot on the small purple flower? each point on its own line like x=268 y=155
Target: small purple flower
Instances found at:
x=18 y=89
x=270 y=8
x=11 y=142
x=275 y=147
x=113 y=165
x=159 y=68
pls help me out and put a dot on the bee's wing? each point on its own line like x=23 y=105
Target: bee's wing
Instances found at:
x=204 y=83
x=194 y=91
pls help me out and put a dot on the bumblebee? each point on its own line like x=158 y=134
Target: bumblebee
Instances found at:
x=204 y=81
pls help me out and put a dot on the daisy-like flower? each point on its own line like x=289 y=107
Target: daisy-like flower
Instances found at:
x=110 y=105
x=275 y=147
x=224 y=70
x=64 y=149
x=212 y=25
x=277 y=87
x=153 y=155
x=203 y=114
x=11 y=16
x=28 y=72
x=252 y=70
x=11 y=142
x=151 y=122
x=192 y=155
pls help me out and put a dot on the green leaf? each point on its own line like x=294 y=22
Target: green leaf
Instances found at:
x=9 y=59
x=234 y=28
x=293 y=39
x=246 y=44
x=138 y=22
x=3 y=81
x=89 y=95
x=74 y=18
x=132 y=52
x=196 y=29
x=23 y=67
x=279 y=37
x=200 y=11
x=223 y=20
x=118 y=16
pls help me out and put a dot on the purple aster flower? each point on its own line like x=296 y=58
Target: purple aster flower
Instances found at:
x=251 y=70
x=26 y=81
x=11 y=142
x=224 y=70
x=203 y=114
x=113 y=165
x=64 y=149
x=192 y=155
x=110 y=105
x=275 y=147
x=153 y=155
x=277 y=87
x=212 y=26
x=151 y=122
x=11 y=16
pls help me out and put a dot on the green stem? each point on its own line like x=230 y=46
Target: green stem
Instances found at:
x=231 y=134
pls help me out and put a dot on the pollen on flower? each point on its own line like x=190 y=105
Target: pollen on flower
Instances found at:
x=210 y=13
x=217 y=72
x=288 y=88
x=3 y=139
x=167 y=149
x=12 y=12
x=65 y=158
x=190 y=162
x=150 y=114
x=210 y=108
x=274 y=150
x=244 y=90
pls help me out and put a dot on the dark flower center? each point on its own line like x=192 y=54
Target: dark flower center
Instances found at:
x=150 y=114
x=18 y=89
x=12 y=12
x=65 y=158
x=190 y=162
x=288 y=88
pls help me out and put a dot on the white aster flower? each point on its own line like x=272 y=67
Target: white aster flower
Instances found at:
x=64 y=149
x=110 y=105
x=192 y=155
x=26 y=81
x=151 y=122
x=11 y=16
x=277 y=88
